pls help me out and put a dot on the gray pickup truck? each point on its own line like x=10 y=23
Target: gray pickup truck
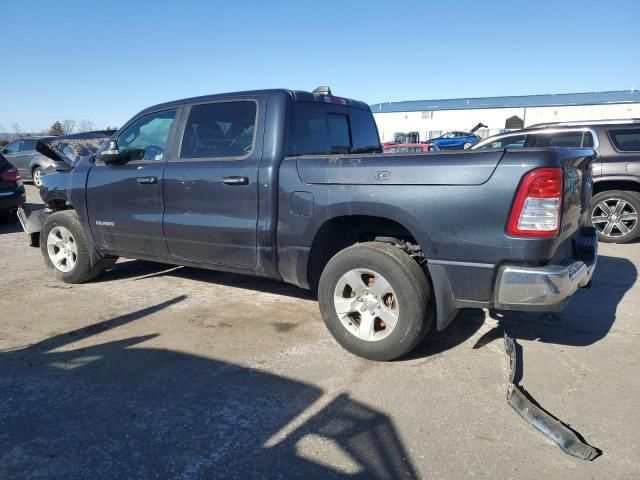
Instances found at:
x=292 y=185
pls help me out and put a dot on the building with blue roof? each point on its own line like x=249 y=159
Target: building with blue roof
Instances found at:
x=431 y=118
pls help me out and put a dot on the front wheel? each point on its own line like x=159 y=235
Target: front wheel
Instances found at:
x=36 y=175
x=614 y=214
x=467 y=145
x=65 y=248
x=375 y=300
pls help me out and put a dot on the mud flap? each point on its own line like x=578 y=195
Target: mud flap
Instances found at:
x=570 y=441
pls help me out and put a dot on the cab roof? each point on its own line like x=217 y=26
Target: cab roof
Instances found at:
x=295 y=95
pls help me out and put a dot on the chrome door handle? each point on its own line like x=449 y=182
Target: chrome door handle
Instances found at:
x=236 y=180
x=147 y=180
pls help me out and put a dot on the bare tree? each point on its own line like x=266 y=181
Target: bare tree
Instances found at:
x=17 y=129
x=86 y=126
x=68 y=126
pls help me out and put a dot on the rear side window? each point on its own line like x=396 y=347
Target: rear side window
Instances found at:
x=28 y=144
x=564 y=139
x=626 y=140
x=220 y=130
x=320 y=129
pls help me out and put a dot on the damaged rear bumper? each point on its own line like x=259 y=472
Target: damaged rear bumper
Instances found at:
x=32 y=218
x=548 y=287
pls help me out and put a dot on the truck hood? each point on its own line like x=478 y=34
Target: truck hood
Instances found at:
x=71 y=148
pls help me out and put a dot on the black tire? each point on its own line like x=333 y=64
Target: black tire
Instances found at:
x=37 y=173
x=409 y=282
x=616 y=235
x=84 y=269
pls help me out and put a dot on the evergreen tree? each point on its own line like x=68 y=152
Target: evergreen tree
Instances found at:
x=56 y=129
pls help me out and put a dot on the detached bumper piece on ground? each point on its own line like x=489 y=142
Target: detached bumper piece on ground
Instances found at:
x=567 y=439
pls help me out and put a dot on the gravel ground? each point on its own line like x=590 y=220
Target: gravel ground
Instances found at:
x=155 y=371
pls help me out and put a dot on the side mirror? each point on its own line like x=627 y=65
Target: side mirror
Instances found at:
x=4 y=151
x=111 y=154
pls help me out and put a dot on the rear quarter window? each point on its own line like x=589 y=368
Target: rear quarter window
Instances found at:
x=627 y=140
x=321 y=129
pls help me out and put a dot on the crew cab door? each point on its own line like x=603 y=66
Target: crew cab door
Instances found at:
x=211 y=184
x=124 y=201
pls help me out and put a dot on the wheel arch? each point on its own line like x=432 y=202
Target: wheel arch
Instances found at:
x=340 y=232
x=616 y=183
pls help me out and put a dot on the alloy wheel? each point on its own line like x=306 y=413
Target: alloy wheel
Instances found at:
x=366 y=304
x=62 y=249
x=614 y=217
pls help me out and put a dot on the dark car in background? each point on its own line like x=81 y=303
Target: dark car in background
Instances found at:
x=456 y=140
x=615 y=205
x=31 y=164
x=12 y=193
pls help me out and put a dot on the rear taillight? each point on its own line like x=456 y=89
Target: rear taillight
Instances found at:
x=11 y=174
x=538 y=204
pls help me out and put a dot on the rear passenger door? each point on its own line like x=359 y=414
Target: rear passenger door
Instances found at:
x=211 y=184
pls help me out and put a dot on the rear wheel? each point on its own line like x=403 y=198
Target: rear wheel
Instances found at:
x=375 y=300
x=614 y=214
x=65 y=248
x=467 y=145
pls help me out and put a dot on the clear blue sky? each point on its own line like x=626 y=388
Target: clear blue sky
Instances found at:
x=106 y=61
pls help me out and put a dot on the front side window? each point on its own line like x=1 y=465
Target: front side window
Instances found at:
x=220 y=130
x=626 y=140
x=13 y=147
x=146 y=138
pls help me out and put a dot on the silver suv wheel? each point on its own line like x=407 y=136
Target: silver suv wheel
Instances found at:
x=614 y=217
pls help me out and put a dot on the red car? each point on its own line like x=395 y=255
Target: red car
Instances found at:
x=410 y=148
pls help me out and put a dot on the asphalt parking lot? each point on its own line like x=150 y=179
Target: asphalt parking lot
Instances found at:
x=155 y=371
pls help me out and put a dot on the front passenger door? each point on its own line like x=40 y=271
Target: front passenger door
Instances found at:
x=125 y=201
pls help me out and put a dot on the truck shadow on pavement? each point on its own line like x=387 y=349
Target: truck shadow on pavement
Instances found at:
x=75 y=407
x=587 y=318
